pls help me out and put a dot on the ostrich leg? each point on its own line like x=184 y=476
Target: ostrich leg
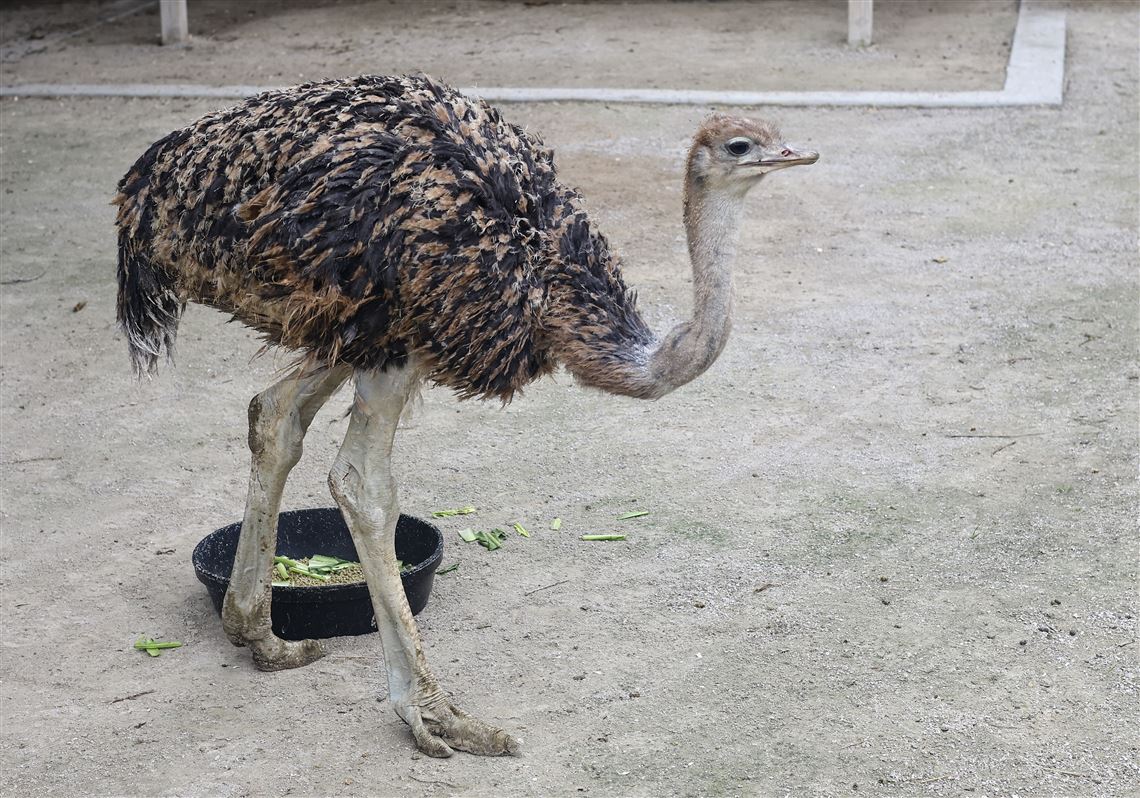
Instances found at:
x=278 y=419
x=361 y=482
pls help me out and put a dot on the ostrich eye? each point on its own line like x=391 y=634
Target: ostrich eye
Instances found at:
x=738 y=147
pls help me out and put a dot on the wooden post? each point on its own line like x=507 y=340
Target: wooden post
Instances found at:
x=859 y=22
x=175 y=25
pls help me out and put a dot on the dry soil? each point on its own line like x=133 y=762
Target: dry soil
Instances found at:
x=891 y=547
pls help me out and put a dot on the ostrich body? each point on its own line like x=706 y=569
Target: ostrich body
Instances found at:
x=396 y=231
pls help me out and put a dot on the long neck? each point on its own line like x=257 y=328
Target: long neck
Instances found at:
x=712 y=222
x=599 y=335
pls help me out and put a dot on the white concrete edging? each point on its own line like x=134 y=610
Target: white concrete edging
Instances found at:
x=1035 y=75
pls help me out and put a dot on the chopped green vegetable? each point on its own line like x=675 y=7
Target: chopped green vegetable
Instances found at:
x=449 y=513
x=603 y=537
x=489 y=540
x=155 y=647
x=314 y=570
x=319 y=561
x=556 y=524
x=521 y=530
x=448 y=569
x=317 y=568
x=492 y=539
x=634 y=514
x=150 y=642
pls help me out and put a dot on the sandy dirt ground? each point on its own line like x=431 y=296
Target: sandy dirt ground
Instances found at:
x=782 y=45
x=892 y=542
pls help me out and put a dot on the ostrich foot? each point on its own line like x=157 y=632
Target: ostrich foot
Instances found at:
x=270 y=652
x=275 y=654
x=441 y=726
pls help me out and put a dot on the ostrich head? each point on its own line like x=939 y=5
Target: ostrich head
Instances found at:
x=732 y=153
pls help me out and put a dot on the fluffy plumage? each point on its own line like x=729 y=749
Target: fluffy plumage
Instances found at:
x=361 y=220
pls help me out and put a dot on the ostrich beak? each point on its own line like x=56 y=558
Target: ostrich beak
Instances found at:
x=790 y=155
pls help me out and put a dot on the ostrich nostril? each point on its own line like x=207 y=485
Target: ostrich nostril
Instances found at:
x=785 y=152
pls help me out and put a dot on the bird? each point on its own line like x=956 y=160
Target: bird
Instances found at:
x=395 y=232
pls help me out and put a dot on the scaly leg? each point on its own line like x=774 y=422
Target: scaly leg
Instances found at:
x=362 y=484
x=278 y=419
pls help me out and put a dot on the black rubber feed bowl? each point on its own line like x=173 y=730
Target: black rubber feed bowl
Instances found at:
x=328 y=610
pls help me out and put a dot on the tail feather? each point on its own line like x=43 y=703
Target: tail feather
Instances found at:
x=148 y=307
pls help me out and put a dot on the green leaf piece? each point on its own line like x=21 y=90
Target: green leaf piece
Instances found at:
x=449 y=513
x=492 y=539
x=448 y=569
x=603 y=537
x=152 y=643
x=155 y=647
x=634 y=514
x=467 y=535
x=322 y=561
x=556 y=524
x=521 y=530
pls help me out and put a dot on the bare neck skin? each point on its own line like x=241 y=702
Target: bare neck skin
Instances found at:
x=712 y=222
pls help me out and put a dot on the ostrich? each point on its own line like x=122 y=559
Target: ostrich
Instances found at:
x=395 y=231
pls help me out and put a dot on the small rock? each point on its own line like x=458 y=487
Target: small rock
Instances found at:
x=700 y=605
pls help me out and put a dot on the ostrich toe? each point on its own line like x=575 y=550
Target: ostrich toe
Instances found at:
x=441 y=728
x=275 y=654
